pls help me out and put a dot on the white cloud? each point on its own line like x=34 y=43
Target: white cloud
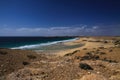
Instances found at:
x=51 y=31
x=95 y=27
x=92 y=29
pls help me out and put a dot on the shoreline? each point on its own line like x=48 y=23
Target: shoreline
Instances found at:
x=97 y=58
x=34 y=46
x=59 y=47
x=86 y=43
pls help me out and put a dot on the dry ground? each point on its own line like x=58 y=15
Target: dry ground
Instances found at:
x=98 y=59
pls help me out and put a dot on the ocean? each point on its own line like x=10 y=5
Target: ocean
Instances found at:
x=31 y=42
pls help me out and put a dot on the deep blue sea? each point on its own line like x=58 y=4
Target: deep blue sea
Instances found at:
x=31 y=42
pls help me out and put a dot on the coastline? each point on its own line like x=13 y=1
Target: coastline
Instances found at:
x=97 y=58
x=60 y=47
x=34 y=46
x=83 y=42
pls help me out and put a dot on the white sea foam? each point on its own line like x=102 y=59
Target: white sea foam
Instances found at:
x=42 y=44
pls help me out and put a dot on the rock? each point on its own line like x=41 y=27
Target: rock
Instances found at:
x=90 y=55
x=3 y=52
x=110 y=50
x=89 y=72
x=93 y=77
x=101 y=65
x=97 y=50
x=84 y=48
x=2 y=65
x=105 y=41
x=101 y=53
x=77 y=57
x=25 y=63
x=96 y=57
x=110 y=61
x=85 y=58
x=85 y=66
x=101 y=47
x=98 y=72
x=31 y=56
x=75 y=51
x=70 y=54
x=84 y=40
x=117 y=43
x=4 y=70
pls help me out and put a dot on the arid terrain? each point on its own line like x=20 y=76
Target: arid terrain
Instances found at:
x=97 y=59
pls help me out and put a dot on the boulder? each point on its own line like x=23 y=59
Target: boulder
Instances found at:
x=85 y=66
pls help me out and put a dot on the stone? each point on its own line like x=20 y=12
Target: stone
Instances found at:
x=84 y=48
x=25 y=63
x=110 y=50
x=3 y=52
x=105 y=41
x=31 y=56
x=85 y=66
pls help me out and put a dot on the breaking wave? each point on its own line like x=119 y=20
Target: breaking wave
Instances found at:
x=41 y=44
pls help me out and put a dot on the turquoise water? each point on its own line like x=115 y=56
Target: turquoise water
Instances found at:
x=30 y=42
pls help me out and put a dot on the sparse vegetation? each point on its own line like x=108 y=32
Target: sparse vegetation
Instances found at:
x=25 y=63
x=75 y=51
x=84 y=48
x=108 y=60
x=3 y=52
x=111 y=50
x=101 y=47
x=70 y=54
x=117 y=43
x=90 y=57
x=31 y=56
x=105 y=41
x=84 y=40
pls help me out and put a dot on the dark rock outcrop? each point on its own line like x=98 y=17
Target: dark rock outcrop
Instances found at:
x=85 y=66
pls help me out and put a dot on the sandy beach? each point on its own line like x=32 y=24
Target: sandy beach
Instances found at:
x=87 y=58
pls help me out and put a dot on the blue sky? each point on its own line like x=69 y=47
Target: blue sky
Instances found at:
x=59 y=17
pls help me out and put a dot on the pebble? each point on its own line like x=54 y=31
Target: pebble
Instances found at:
x=98 y=72
x=89 y=72
x=2 y=65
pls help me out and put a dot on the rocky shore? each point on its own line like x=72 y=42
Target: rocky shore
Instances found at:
x=97 y=59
